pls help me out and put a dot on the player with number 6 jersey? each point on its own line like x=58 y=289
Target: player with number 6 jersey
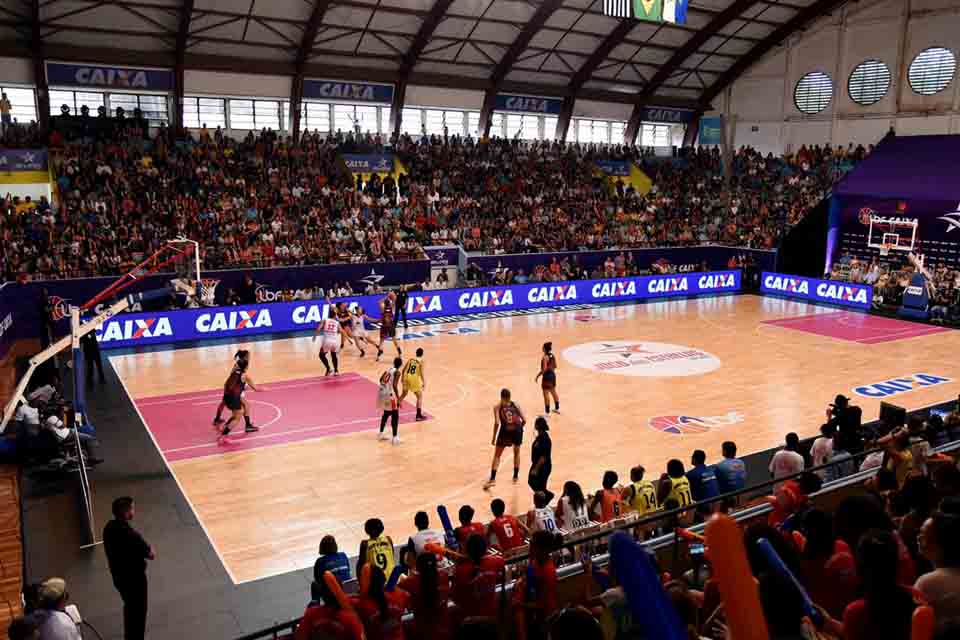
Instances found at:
x=504 y=532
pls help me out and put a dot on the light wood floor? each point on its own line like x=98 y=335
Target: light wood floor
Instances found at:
x=265 y=510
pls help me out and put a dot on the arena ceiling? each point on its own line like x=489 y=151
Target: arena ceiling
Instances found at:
x=546 y=47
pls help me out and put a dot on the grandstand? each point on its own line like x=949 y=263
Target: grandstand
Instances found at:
x=727 y=223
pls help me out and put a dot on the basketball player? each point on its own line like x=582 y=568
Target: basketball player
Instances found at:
x=541 y=517
x=641 y=495
x=242 y=354
x=414 y=380
x=548 y=383
x=377 y=549
x=607 y=504
x=388 y=399
x=331 y=329
x=359 y=330
x=233 y=390
x=674 y=485
x=467 y=526
x=508 y=424
x=388 y=323
x=504 y=531
x=345 y=318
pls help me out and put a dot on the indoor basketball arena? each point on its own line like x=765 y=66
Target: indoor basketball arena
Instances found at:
x=462 y=319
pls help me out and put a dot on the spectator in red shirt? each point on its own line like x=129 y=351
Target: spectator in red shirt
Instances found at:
x=535 y=594
x=504 y=531
x=429 y=593
x=381 y=611
x=467 y=526
x=886 y=610
x=329 y=618
x=475 y=580
x=827 y=567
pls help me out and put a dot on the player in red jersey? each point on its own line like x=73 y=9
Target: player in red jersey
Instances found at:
x=388 y=323
x=548 y=378
x=233 y=390
x=467 y=526
x=508 y=424
x=505 y=531
x=241 y=355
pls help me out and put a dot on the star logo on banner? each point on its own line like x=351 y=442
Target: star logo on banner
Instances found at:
x=373 y=278
x=3 y=161
x=952 y=219
x=28 y=158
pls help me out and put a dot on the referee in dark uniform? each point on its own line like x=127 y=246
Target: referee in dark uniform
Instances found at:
x=542 y=461
x=127 y=555
x=402 y=296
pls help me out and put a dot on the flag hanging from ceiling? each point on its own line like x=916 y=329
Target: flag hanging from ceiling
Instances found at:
x=649 y=10
x=617 y=8
x=675 y=11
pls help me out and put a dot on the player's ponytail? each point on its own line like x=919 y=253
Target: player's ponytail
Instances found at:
x=547 y=347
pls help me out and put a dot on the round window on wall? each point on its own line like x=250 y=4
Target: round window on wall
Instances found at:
x=813 y=93
x=869 y=82
x=932 y=70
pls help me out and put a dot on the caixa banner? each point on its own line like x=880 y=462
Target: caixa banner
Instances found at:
x=846 y=294
x=132 y=329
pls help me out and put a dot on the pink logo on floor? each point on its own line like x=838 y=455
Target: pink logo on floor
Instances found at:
x=287 y=411
x=856 y=327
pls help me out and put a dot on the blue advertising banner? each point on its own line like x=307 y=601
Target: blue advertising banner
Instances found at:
x=369 y=162
x=846 y=294
x=527 y=104
x=619 y=168
x=7 y=329
x=135 y=329
x=666 y=114
x=23 y=160
x=710 y=130
x=349 y=91
x=108 y=76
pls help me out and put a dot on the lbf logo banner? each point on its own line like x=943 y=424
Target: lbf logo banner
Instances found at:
x=844 y=294
x=369 y=163
x=352 y=91
x=93 y=75
x=527 y=104
x=23 y=160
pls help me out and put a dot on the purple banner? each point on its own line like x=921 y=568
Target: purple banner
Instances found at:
x=908 y=168
x=23 y=160
x=443 y=256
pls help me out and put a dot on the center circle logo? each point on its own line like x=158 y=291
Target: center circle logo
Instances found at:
x=645 y=359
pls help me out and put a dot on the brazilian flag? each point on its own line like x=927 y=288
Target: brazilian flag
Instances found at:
x=651 y=10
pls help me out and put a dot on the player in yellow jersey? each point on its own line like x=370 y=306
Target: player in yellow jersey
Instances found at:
x=675 y=486
x=414 y=380
x=377 y=550
x=641 y=495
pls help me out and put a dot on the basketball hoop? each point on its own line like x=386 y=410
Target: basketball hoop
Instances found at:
x=208 y=290
x=885 y=249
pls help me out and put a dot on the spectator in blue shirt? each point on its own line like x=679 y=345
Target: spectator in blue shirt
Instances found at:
x=731 y=472
x=703 y=481
x=333 y=560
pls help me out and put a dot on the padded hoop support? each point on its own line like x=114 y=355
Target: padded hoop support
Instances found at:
x=165 y=257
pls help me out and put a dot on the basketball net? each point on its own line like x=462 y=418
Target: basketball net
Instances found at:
x=885 y=249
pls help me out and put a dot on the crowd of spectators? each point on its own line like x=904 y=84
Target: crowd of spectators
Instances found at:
x=264 y=201
x=892 y=545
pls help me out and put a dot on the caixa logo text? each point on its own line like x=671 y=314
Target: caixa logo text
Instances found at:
x=787 y=284
x=668 y=285
x=717 y=281
x=233 y=320
x=134 y=329
x=553 y=293
x=482 y=299
x=423 y=304
x=614 y=289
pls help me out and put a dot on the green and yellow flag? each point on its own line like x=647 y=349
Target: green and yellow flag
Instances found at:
x=651 y=10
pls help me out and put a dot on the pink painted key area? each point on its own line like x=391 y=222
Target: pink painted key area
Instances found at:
x=288 y=411
x=856 y=327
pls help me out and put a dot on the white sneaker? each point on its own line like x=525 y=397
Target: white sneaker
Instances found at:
x=383 y=436
x=396 y=440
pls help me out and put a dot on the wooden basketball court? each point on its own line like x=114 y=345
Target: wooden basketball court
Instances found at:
x=638 y=385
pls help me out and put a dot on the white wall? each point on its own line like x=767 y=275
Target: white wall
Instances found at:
x=601 y=110
x=762 y=99
x=420 y=96
x=236 y=84
x=16 y=70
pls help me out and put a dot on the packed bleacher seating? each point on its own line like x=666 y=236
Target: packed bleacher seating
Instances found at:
x=263 y=201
